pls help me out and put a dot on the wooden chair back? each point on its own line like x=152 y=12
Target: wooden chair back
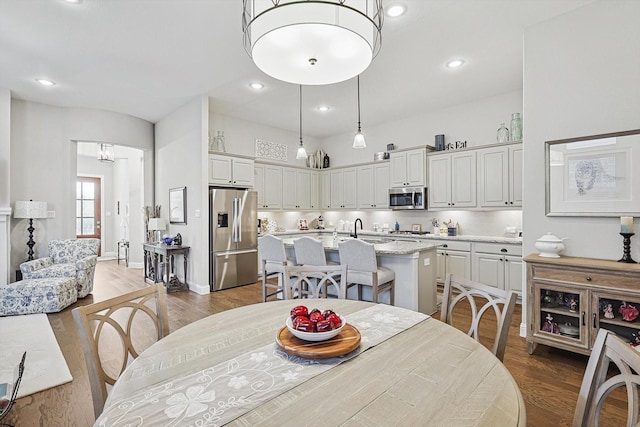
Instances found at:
x=596 y=387
x=114 y=332
x=502 y=302
x=315 y=281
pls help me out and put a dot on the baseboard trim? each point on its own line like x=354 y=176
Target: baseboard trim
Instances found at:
x=523 y=330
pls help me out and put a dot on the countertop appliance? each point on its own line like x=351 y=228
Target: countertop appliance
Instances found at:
x=233 y=241
x=408 y=198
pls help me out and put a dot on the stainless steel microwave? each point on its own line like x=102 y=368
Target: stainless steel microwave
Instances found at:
x=408 y=198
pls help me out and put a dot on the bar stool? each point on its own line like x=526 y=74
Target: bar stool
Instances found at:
x=274 y=259
x=363 y=270
x=309 y=251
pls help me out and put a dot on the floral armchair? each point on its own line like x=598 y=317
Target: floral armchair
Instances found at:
x=67 y=258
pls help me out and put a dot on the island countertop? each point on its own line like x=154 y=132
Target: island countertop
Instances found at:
x=396 y=247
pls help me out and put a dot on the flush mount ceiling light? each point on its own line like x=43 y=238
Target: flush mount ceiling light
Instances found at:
x=302 y=153
x=323 y=108
x=256 y=85
x=396 y=10
x=314 y=42
x=45 y=82
x=106 y=153
x=456 y=63
x=358 y=141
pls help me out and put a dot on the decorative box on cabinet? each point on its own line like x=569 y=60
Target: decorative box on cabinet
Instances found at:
x=231 y=171
x=567 y=298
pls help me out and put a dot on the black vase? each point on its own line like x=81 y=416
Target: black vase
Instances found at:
x=325 y=161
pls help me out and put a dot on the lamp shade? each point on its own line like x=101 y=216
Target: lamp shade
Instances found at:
x=30 y=209
x=157 y=224
x=312 y=42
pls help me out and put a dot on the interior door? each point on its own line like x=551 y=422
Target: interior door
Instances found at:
x=88 y=203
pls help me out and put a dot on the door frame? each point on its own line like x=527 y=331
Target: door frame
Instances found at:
x=101 y=177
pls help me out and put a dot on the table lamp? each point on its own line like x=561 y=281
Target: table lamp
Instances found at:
x=31 y=210
x=157 y=225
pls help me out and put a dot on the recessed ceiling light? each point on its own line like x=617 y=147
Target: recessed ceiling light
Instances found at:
x=45 y=82
x=256 y=85
x=323 y=108
x=456 y=63
x=396 y=10
x=73 y=1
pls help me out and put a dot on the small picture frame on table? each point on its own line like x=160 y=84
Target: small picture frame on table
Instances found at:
x=416 y=228
x=303 y=224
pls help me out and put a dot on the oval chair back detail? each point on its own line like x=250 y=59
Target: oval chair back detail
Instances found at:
x=274 y=259
x=126 y=317
x=363 y=269
x=315 y=281
x=457 y=289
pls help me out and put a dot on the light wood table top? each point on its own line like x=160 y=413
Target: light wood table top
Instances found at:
x=429 y=374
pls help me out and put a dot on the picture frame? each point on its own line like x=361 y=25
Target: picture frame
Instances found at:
x=593 y=175
x=178 y=205
x=416 y=228
x=303 y=224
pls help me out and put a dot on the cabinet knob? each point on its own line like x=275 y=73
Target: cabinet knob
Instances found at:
x=511 y=202
x=445 y=246
x=506 y=203
x=503 y=250
x=588 y=278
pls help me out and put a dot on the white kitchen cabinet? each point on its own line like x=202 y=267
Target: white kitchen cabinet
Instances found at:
x=455 y=258
x=452 y=180
x=296 y=188
x=408 y=168
x=230 y=171
x=325 y=190
x=373 y=186
x=314 y=191
x=498 y=265
x=500 y=176
x=343 y=188
x=268 y=184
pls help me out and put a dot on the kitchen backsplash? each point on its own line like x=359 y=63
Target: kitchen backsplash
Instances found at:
x=473 y=223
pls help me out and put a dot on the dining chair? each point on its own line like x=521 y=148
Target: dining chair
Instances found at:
x=315 y=281
x=114 y=332
x=274 y=259
x=596 y=387
x=457 y=289
x=363 y=270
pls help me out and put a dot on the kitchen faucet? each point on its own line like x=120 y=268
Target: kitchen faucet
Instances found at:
x=355 y=228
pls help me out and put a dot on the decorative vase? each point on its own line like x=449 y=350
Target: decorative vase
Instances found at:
x=516 y=127
x=220 y=142
x=503 y=133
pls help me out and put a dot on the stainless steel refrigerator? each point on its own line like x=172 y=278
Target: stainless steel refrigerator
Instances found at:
x=233 y=244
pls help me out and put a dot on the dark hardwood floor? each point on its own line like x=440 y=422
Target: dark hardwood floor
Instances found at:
x=549 y=380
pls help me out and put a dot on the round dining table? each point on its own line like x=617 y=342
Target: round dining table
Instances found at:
x=226 y=369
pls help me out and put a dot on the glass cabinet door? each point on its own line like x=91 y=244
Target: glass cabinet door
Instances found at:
x=617 y=313
x=561 y=314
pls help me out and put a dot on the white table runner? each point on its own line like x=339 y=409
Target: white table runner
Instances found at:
x=217 y=395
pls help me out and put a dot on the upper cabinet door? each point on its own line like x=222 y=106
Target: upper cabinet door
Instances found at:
x=439 y=181
x=463 y=180
x=243 y=173
x=415 y=168
x=493 y=177
x=220 y=170
x=515 y=176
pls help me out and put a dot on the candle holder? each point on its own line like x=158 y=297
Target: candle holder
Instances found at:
x=626 y=245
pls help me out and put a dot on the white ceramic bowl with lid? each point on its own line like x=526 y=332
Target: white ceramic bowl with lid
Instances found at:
x=549 y=246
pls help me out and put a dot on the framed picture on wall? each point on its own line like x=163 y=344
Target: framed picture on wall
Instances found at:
x=416 y=228
x=178 y=205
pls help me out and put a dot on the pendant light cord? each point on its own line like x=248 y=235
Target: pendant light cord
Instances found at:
x=300 y=114
x=359 y=103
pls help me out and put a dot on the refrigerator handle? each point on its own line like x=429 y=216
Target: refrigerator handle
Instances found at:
x=235 y=212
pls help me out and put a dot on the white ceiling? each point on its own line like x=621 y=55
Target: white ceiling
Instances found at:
x=148 y=57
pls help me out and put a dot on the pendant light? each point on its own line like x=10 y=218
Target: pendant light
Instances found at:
x=358 y=141
x=106 y=152
x=315 y=42
x=302 y=153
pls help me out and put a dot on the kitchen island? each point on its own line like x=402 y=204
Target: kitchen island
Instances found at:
x=414 y=264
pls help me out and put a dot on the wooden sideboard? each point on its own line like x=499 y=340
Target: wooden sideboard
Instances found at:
x=569 y=299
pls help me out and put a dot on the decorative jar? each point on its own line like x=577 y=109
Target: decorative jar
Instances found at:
x=503 y=133
x=220 y=142
x=549 y=246
x=516 y=127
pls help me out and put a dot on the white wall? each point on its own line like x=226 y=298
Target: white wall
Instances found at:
x=181 y=161
x=476 y=122
x=581 y=77
x=5 y=145
x=43 y=162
